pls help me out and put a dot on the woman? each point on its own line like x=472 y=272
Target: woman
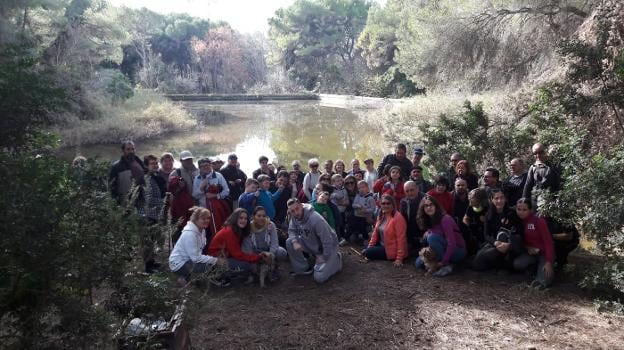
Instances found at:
x=339 y=168
x=388 y=241
x=538 y=243
x=310 y=180
x=394 y=185
x=441 y=234
x=499 y=250
x=211 y=191
x=463 y=170
x=442 y=195
x=181 y=203
x=263 y=236
x=186 y=256
x=227 y=243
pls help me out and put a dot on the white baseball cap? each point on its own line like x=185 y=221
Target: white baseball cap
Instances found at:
x=184 y=155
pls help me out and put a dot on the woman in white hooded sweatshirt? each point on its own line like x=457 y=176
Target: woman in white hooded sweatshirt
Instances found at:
x=187 y=257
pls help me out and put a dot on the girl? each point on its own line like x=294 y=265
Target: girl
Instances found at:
x=186 y=256
x=474 y=219
x=496 y=253
x=394 y=186
x=538 y=244
x=388 y=241
x=441 y=234
x=441 y=194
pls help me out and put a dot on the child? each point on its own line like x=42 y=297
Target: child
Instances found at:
x=363 y=211
x=267 y=199
x=340 y=198
x=475 y=219
x=249 y=198
x=321 y=207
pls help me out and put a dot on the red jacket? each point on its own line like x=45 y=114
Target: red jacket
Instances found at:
x=536 y=235
x=228 y=242
x=395 y=241
x=445 y=199
x=398 y=192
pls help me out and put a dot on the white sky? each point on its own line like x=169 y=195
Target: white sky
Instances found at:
x=247 y=16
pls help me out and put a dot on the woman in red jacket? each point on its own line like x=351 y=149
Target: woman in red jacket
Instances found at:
x=227 y=244
x=442 y=195
x=539 y=246
x=388 y=241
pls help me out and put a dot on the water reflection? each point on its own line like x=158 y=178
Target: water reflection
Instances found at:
x=282 y=131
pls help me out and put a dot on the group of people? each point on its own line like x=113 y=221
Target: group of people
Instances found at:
x=393 y=212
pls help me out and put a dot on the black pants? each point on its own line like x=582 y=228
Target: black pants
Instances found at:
x=375 y=253
x=358 y=226
x=563 y=249
x=488 y=257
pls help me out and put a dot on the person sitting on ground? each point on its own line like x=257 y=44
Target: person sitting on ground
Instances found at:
x=409 y=210
x=263 y=238
x=267 y=199
x=228 y=243
x=211 y=190
x=538 y=244
x=388 y=241
x=514 y=185
x=399 y=159
x=363 y=211
x=491 y=180
x=474 y=219
x=441 y=194
x=339 y=168
x=503 y=235
x=394 y=186
x=416 y=175
x=370 y=176
x=309 y=233
x=322 y=207
x=186 y=257
x=565 y=239
x=310 y=179
x=463 y=170
x=442 y=235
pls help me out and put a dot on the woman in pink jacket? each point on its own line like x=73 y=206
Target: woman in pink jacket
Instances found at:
x=388 y=241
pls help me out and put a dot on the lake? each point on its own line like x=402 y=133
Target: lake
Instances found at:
x=283 y=131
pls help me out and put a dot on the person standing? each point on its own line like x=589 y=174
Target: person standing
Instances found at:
x=371 y=175
x=166 y=166
x=210 y=189
x=188 y=171
x=399 y=159
x=128 y=169
x=514 y=184
x=311 y=178
x=235 y=178
x=450 y=173
x=542 y=177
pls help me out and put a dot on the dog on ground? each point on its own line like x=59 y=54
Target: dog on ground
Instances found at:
x=430 y=258
x=266 y=267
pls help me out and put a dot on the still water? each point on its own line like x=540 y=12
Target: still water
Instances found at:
x=282 y=131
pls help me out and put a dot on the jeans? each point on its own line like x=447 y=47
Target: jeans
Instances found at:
x=526 y=261
x=375 y=253
x=438 y=244
x=238 y=268
x=188 y=268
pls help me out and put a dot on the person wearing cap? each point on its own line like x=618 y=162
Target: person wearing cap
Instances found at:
x=211 y=190
x=187 y=172
x=399 y=159
x=235 y=178
x=217 y=164
x=371 y=175
x=416 y=162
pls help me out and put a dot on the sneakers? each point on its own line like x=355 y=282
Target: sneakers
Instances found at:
x=304 y=273
x=220 y=282
x=443 y=271
x=343 y=242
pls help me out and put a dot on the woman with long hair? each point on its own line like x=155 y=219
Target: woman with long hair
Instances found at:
x=463 y=170
x=394 y=185
x=388 y=241
x=442 y=236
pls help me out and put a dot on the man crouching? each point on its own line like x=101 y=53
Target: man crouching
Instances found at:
x=309 y=233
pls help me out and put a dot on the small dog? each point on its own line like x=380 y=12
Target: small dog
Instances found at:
x=430 y=259
x=266 y=267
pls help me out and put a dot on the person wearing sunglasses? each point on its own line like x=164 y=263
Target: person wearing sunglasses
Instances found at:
x=543 y=176
x=311 y=178
x=388 y=241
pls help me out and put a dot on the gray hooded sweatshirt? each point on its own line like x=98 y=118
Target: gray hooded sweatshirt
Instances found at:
x=314 y=233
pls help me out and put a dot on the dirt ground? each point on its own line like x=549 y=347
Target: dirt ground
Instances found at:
x=374 y=305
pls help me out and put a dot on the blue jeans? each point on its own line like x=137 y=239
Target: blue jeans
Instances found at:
x=438 y=244
x=375 y=253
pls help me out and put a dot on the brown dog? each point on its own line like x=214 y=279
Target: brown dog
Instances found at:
x=429 y=257
x=266 y=267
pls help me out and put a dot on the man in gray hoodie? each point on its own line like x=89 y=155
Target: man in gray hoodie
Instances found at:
x=309 y=233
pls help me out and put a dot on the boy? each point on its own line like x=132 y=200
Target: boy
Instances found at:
x=370 y=176
x=249 y=198
x=321 y=207
x=340 y=199
x=363 y=212
x=266 y=198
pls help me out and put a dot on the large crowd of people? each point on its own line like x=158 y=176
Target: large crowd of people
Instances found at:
x=395 y=212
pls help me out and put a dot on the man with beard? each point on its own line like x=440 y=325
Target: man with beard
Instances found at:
x=128 y=169
x=235 y=178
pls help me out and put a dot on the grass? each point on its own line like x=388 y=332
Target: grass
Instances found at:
x=147 y=114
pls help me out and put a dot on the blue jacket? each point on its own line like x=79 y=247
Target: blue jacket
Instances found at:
x=266 y=199
x=248 y=201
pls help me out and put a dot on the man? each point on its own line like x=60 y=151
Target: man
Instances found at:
x=296 y=165
x=281 y=203
x=450 y=173
x=151 y=207
x=491 y=180
x=166 y=166
x=187 y=172
x=128 y=169
x=355 y=167
x=328 y=167
x=409 y=210
x=399 y=159
x=460 y=204
x=266 y=170
x=416 y=176
x=416 y=159
x=235 y=178
x=309 y=233
x=542 y=177
x=514 y=185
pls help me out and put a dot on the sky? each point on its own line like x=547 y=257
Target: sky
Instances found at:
x=247 y=16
